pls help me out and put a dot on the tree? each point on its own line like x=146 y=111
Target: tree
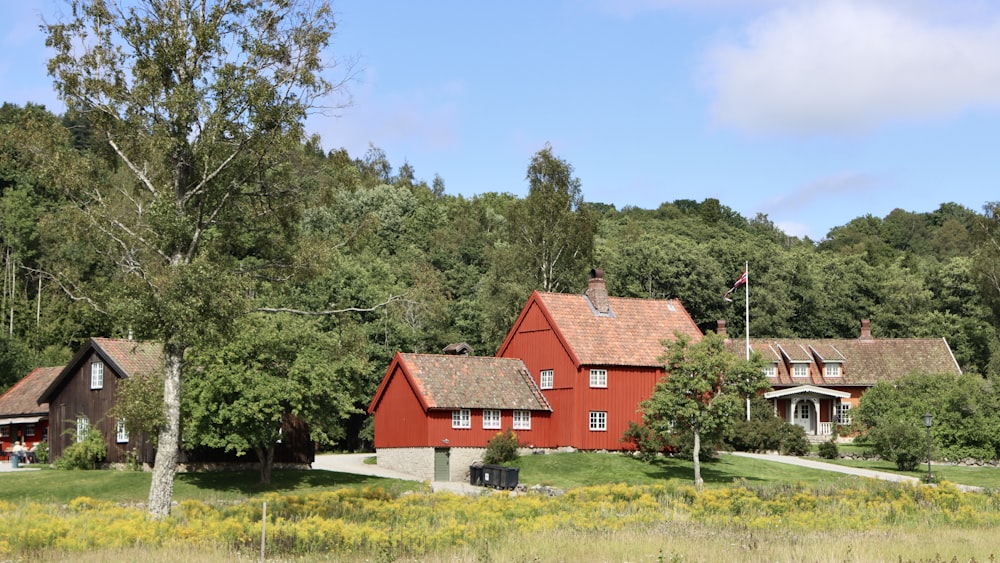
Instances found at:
x=199 y=101
x=703 y=390
x=274 y=369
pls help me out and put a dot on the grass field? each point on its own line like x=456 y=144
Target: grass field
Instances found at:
x=751 y=511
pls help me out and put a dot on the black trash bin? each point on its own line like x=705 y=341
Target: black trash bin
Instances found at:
x=508 y=478
x=491 y=475
x=476 y=474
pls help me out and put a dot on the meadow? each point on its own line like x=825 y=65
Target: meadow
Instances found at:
x=751 y=511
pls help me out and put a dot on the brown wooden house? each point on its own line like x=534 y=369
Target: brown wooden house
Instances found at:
x=22 y=418
x=82 y=394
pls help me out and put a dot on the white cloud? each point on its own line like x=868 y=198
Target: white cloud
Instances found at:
x=836 y=186
x=849 y=66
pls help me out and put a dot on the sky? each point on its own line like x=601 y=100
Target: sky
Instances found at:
x=812 y=112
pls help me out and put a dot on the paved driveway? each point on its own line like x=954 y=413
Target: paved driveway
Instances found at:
x=355 y=464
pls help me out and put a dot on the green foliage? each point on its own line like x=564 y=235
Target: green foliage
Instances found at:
x=84 y=454
x=646 y=441
x=42 y=451
x=139 y=402
x=900 y=442
x=502 y=448
x=793 y=440
x=828 y=450
x=768 y=434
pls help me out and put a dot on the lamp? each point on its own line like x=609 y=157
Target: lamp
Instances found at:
x=927 y=425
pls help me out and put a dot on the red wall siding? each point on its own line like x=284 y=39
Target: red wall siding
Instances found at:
x=399 y=419
x=627 y=387
x=440 y=429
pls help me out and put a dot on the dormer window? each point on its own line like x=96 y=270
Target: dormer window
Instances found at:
x=97 y=375
x=800 y=370
x=770 y=370
x=831 y=370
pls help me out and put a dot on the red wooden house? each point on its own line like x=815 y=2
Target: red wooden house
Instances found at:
x=22 y=418
x=817 y=381
x=434 y=413
x=595 y=358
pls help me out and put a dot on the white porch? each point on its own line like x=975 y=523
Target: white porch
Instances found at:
x=804 y=408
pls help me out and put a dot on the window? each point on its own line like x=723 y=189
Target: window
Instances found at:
x=770 y=370
x=461 y=419
x=598 y=421
x=491 y=418
x=800 y=370
x=522 y=420
x=97 y=375
x=121 y=433
x=831 y=370
x=598 y=378
x=82 y=428
x=547 y=378
x=804 y=411
x=29 y=430
x=4 y=431
x=844 y=413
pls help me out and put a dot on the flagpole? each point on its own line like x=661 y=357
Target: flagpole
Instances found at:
x=746 y=305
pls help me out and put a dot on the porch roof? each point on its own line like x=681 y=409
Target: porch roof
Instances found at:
x=806 y=389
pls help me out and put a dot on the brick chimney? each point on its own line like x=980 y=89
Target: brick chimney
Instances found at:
x=866 y=330
x=720 y=328
x=597 y=292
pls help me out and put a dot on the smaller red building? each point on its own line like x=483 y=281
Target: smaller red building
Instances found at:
x=434 y=413
x=22 y=418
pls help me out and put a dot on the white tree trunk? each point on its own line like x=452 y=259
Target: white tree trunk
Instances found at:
x=161 y=490
x=699 y=483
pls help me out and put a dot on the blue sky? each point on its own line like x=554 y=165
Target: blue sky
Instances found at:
x=813 y=112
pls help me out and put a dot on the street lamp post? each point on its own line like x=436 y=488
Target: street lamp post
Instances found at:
x=927 y=424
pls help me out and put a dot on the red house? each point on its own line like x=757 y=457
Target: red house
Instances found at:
x=435 y=413
x=22 y=418
x=816 y=382
x=595 y=358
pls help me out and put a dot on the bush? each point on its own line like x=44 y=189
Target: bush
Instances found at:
x=647 y=442
x=768 y=435
x=84 y=454
x=502 y=448
x=828 y=450
x=42 y=451
x=899 y=442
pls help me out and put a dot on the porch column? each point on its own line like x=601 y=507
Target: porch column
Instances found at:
x=816 y=426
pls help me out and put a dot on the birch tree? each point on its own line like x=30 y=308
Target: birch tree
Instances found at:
x=198 y=101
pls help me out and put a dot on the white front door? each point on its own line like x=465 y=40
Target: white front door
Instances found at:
x=803 y=415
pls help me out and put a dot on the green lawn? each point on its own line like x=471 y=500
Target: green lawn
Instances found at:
x=987 y=477
x=61 y=486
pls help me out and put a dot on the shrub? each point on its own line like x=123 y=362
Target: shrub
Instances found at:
x=85 y=453
x=502 y=448
x=828 y=450
x=647 y=442
x=42 y=451
x=899 y=442
x=793 y=440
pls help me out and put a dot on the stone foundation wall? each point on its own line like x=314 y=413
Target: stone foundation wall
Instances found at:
x=418 y=462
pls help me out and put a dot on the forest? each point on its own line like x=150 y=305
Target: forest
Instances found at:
x=357 y=257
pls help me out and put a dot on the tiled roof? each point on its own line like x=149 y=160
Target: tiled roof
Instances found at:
x=631 y=335
x=132 y=356
x=863 y=362
x=22 y=397
x=449 y=382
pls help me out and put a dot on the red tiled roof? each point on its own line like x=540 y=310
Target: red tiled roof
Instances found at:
x=22 y=397
x=631 y=335
x=132 y=356
x=449 y=382
x=863 y=362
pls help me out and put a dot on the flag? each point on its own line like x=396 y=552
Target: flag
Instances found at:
x=742 y=280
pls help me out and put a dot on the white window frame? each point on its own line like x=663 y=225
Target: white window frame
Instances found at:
x=770 y=370
x=491 y=419
x=546 y=378
x=82 y=428
x=831 y=370
x=461 y=418
x=797 y=367
x=97 y=375
x=29 y=430
x=599 y=378
x=844 y=414
x=121 y=433
x=522 y=420
x=4 y=431
x=598 y=421
x=804 y=410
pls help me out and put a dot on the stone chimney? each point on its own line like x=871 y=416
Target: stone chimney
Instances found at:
x=597 y=292
x=720 y=328
x=866 y=330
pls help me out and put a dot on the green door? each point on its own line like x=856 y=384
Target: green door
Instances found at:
x=441 y=472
